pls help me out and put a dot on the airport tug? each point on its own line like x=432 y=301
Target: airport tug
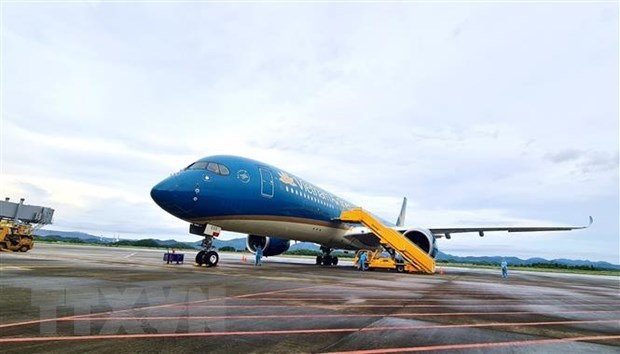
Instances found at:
x=377 y=259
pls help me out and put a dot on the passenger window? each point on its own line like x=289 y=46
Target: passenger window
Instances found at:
x=212 y=166
x=224 y=170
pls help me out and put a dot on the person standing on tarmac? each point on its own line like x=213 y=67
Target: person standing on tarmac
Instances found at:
x=362 y=261
x=504 y=266
x=259 y=255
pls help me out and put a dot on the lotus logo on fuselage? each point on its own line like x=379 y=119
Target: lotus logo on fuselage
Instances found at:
x=286 y=179
x=243 y=176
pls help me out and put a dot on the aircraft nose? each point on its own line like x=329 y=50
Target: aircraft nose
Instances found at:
x=162 y=194
x=175 y=196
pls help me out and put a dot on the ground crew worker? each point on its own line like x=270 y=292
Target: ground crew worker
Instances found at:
x=504 y=266
x=259 y=255
x=362 y=261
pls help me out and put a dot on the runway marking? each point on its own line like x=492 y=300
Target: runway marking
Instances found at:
x=336 y=306
x=24 y=323
x=451 y=296
x=3 y=268
x=458 y=291
x=131 y=255
x=479 y=345
x=301 y=331
x=519 y=301
x=88 y=317
x=261 y=317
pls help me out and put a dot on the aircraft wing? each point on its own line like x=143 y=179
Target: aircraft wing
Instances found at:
x=446 y=232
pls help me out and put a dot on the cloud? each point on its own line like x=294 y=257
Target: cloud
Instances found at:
x=477 y=113
x=586 y=162
x=563 y=156
x=600 y=162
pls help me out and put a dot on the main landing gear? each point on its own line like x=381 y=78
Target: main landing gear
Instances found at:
x=326 y=259
x=208 y=255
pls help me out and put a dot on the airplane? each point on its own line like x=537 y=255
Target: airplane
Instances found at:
x=273 y=207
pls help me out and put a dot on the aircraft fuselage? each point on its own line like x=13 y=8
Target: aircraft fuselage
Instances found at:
x=251 y=197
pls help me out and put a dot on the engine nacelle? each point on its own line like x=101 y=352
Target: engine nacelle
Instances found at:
x=271 y=246
x=424 y=239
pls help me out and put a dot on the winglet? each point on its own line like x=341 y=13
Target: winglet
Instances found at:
x=589 y=223
x=403 y=211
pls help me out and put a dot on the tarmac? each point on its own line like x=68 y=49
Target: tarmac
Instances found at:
x=75 y=299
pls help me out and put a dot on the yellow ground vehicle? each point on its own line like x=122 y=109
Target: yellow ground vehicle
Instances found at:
x=378 y=259
x=15 y=237
x=18 y=221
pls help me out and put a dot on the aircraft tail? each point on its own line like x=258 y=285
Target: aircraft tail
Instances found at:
x=401 y=217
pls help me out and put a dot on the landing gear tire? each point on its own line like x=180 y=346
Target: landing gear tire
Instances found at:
x=327 y=260
x=211 y=258
x=400 y=268
x=199 y=258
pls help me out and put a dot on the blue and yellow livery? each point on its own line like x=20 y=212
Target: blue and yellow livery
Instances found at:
x=273 y=207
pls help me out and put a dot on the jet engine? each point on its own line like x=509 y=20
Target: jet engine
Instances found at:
x=424 y=239
x=271 y=246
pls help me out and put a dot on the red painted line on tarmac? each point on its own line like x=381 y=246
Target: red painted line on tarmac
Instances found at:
x=244 y=297
x=333 y=306
x=46 y=320
x=173 y=335
x=493 y=324
x=479 y=345
x=396 y=291
x=295 y=331
x=261 y=317
x=234 y=306
x=518 y=301
x=323 y=299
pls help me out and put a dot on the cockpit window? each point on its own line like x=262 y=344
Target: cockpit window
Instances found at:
x=217 y=168
x=224 y=170
x=212 y=166
x=198 y=165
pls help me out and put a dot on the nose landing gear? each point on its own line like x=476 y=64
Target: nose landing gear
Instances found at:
x=208 y=255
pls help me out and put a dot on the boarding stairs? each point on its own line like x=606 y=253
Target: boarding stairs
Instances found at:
x=392 y=238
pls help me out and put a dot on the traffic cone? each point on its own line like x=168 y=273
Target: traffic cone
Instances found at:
x=243 y=259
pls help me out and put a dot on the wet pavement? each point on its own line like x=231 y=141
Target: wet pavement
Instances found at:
x=80 y=298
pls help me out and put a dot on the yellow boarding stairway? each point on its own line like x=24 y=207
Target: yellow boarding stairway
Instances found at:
x=392 y=238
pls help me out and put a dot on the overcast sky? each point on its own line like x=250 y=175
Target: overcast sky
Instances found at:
x=482 y=114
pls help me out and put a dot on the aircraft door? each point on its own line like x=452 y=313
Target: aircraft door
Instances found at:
x=266 y=187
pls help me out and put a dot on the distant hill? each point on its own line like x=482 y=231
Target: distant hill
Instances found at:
x=149 y=242
x=494 y=260
x=304 y=246
x=236 y=243
x=75 y=235
x=239 y=244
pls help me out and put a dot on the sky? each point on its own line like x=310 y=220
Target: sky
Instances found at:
x=481 y=113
